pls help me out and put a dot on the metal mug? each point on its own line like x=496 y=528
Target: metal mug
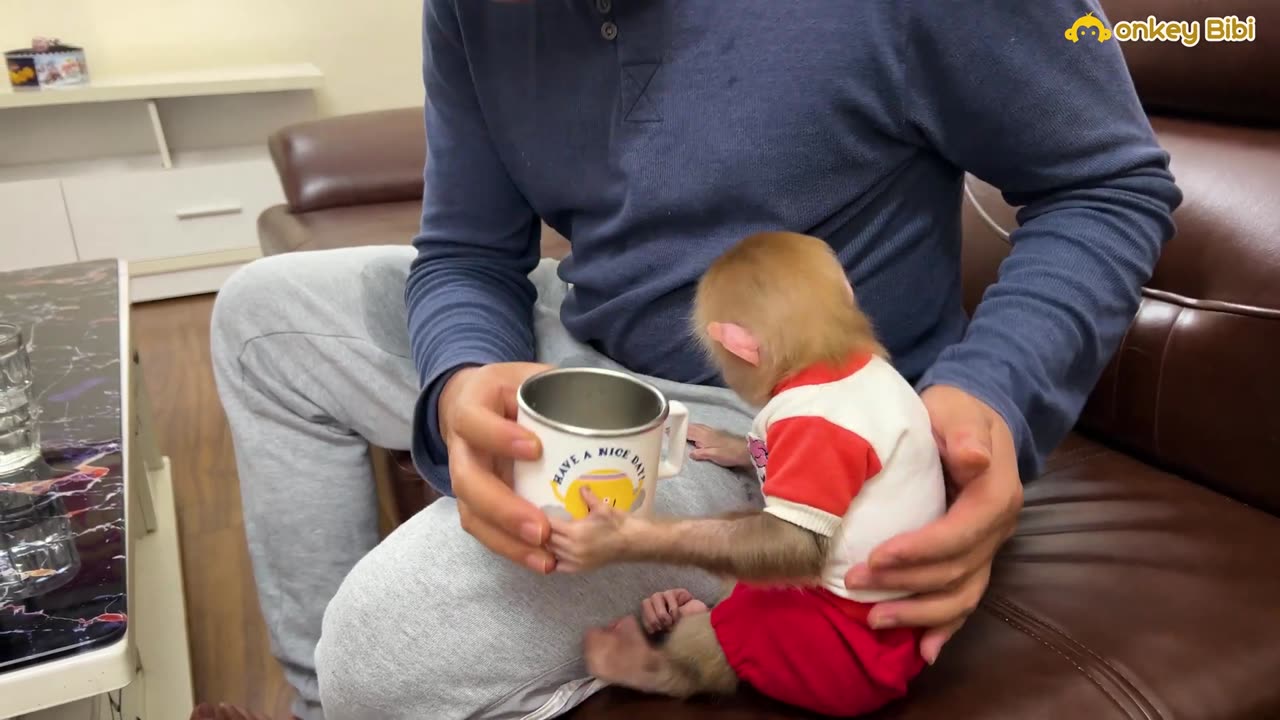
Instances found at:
x=600 y=429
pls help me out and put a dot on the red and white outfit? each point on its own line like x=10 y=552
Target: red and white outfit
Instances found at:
x=847 y=453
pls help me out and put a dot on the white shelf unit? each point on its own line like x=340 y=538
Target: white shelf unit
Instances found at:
x=167 y=171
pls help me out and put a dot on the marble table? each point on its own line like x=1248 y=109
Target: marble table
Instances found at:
x=119 y=615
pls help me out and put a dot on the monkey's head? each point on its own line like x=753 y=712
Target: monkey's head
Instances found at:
x=774 y=304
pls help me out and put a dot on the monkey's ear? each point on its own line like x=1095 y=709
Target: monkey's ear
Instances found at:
x=736 y=339
x=848 y=290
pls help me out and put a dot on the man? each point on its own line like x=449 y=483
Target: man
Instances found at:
x=654 y=134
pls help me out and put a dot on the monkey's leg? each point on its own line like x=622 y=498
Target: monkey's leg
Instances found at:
x=659 y=612
x=688 y=662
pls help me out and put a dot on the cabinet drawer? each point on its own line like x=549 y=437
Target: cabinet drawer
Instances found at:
x=170 y=213
x=33 y=225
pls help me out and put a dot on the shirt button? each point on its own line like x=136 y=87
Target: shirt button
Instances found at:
x=609 y=31
x=604 y=6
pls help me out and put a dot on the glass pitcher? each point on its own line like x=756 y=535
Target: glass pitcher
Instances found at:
x=19 y=433
x=37 y=547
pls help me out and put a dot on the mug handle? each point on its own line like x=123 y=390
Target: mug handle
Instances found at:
x=678 y=432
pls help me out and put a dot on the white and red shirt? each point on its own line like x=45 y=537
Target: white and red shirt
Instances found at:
x=849 y=453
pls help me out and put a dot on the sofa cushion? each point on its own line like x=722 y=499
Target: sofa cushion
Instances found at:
x=281 y=231
x=391 y=223
x=1125 y=593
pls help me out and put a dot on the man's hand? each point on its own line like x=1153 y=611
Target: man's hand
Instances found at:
x=594 y=541
x=477 y=411
x=948 y=562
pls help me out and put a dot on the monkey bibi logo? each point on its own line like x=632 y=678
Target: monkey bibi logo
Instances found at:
x=1088 y=26
x=1228 y=28
x=618 y=488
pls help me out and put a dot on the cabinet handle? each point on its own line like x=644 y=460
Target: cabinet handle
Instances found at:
x=209 y=211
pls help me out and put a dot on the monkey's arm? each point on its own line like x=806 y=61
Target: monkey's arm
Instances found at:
x=750 y=546
x=755 y=546
x=815 y=469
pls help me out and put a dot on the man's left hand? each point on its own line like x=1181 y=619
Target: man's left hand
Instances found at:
x=947 y=563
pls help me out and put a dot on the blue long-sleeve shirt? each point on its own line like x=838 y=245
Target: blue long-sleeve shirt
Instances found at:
x=656 y=134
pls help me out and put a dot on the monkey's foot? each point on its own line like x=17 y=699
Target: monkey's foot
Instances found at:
x=660 y=612
x=621 y=655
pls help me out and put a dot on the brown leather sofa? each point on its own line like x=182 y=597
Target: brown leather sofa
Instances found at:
x=1144 y=578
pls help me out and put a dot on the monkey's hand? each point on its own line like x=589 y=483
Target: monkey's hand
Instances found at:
x=720 y=447
x=602 y=537
x=660 y=611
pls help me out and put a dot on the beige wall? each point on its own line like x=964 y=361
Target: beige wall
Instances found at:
x=368 y=50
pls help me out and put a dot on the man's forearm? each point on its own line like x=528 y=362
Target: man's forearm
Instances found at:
x=1064 y=299
x=468 y=296
x=750 y=546
x=1062 y=134
x=457 y=319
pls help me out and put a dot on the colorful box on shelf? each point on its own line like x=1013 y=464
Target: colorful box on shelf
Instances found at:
x=46 y=64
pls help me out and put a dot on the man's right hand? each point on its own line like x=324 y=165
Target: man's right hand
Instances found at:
x=477 y=411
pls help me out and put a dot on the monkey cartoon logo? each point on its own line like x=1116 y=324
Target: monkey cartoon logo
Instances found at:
x=622 y=489
x=759 y=454
x=1088 y=26
x=614 y=487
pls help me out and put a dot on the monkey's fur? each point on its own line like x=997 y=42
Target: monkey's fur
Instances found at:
x=791 y=293
x=791 y=296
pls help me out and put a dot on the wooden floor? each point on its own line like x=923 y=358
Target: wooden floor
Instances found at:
x=230 y=658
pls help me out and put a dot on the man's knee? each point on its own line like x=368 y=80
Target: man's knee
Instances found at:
x=371 y=660
x=428 y=624
x=345 y=660
x=245 y=299
x=322 y=292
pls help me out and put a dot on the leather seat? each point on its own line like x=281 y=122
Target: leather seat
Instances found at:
x=1126 y=593
x=283 y=230
x=1142 y=581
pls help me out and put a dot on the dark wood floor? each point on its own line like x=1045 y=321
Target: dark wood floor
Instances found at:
x=230 y=658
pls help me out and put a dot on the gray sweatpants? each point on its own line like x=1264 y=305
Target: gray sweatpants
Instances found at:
x=312 y=361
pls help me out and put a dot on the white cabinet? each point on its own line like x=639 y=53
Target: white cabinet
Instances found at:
x=34 y=229
x=154 y=214
x=167 y=171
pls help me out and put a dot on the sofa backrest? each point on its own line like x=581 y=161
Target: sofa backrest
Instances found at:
x=1195 y=385
x=361 y=159
x=1213 y=80
x=356 y=159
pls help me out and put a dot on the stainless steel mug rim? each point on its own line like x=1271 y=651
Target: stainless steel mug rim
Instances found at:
x=658 y=421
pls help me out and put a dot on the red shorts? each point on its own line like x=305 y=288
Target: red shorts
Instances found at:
x=813 y=649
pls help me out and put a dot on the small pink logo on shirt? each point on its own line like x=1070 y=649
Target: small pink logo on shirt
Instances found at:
x=759 y=453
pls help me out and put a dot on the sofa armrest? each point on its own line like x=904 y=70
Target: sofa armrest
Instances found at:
x=1193 y=384
x=356 y=159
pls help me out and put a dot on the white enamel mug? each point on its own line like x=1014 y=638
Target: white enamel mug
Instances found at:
x=600 y=429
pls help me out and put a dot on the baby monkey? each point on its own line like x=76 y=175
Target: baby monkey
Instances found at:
x=845 y=454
